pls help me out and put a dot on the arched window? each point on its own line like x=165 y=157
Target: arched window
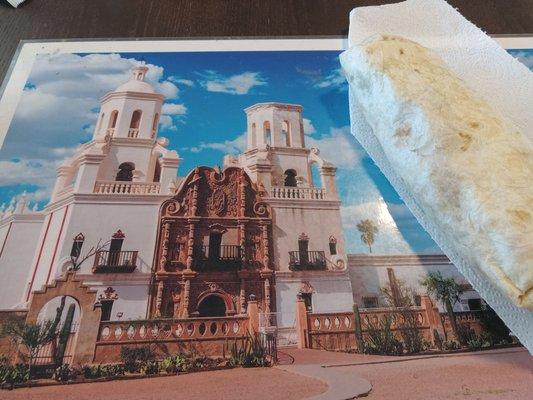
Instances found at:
x=332 y=245
x=77 y=244
x=303 y=248
x=290 y=178
x=134 y=124
x=267 y=134
x=286 y=133
x=254 y=137
x=154 y=124
x=315 y=175
x=101 y=123
x=125 y=172
x=113 y=119
x=157 y=171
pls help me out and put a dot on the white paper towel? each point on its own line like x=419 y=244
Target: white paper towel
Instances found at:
x=505 y=83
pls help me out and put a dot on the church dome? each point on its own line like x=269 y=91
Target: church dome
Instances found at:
x=137 y=83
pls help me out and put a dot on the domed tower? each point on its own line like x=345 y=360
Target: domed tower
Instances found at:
x=130 y=111
x=125 y=155
x=277 y=156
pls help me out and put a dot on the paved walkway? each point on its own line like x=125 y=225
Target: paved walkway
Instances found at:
x=504 y=374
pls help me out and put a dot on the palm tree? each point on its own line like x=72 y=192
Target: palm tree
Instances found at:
x=368 y=231
x=447 y=291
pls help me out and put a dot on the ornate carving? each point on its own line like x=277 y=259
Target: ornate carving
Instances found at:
x=267 y=295
x=108 y=294
x=186 y=295
x=159 y=298
x=306 y=287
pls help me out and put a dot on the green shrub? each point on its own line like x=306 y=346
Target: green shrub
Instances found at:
x=65 y=373
x=174 y=364
x=450 y=345
x=494 y=325
x=11 y=374
x=134 y=357
x=465 y=333
x=151 y=367
x=251 y=353
x=102 y=371
x=380 y=338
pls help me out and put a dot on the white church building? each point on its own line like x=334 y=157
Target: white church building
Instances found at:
x=154 y=242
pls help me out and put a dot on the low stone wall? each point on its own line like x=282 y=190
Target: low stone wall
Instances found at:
x=341 y=330
x=7 y=349
x=468 y=319
x=210 y=336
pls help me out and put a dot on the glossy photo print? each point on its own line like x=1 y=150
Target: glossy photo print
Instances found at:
x=211 y=200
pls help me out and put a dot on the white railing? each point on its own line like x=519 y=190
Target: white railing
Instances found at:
x=133 y=132
x=110 y=131
x=117 y=187
x=284 y=192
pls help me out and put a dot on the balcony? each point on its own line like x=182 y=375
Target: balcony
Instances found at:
x=115 y=261
x=297 y=193
x=307 y=261
x=125 y=187
x=227 y=258
x=133 y=132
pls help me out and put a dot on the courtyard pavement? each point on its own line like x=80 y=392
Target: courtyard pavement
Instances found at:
x=233 y=384
x=504 y=374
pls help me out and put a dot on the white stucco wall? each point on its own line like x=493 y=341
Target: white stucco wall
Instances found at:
x=318 y=221
x=332 y=292
x=368 y=280
x=17 y=255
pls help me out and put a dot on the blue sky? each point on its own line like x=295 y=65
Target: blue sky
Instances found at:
x=204 y=119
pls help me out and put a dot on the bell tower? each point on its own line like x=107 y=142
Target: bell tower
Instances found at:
x=275 y=125
x=130 y=111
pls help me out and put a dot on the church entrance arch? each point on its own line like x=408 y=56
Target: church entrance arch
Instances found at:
x=212 y=306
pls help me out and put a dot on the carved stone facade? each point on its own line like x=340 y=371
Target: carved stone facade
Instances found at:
x=214 y=247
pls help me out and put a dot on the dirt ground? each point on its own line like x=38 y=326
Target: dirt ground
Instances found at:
x=235 y=384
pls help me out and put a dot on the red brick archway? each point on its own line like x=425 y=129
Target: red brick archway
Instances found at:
x=89 y=320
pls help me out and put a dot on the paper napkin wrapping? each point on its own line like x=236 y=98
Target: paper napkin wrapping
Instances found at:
x=505 y=83
x=15 y=3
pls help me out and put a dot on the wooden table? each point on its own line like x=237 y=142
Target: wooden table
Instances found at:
x=61 y=19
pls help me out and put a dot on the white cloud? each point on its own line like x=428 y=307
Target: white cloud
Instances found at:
x=235 y=146
x=28 y=172
x=338 y=147
x=235 y=84
x=335 y=79
x=185 y=82
x=309 y=129
x=173 y=109
x=525 y=57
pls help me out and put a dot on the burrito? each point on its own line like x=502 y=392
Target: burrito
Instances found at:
x=469 y=168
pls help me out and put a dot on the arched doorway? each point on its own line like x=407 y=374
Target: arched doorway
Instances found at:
x=64 y=313
x=212 y=306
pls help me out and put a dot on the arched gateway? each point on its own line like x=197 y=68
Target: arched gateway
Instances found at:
x=214 y=247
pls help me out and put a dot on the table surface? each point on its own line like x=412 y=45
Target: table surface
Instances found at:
x=62 y=19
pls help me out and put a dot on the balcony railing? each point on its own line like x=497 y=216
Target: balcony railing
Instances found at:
x=110 y=131
x=106 y=261
x=225 y=257
x=296 y=193
x=307 y=260
x=133 y=132
x=120 y=187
